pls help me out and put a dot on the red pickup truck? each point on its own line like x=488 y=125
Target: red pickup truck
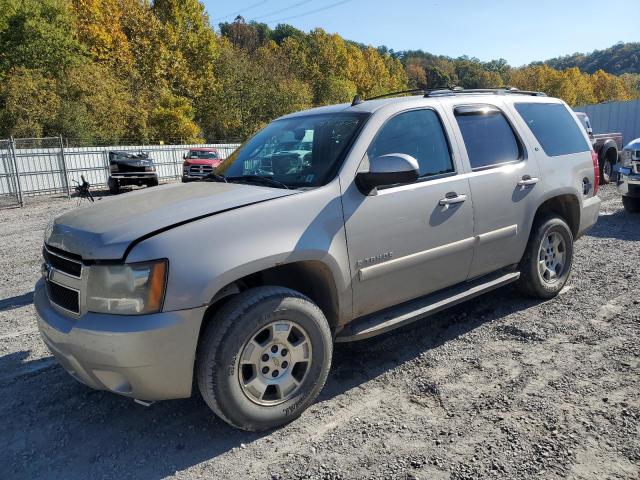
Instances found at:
x=199 y=162
x=607 y=145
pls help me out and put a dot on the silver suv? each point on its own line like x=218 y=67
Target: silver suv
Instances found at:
x=330 y=225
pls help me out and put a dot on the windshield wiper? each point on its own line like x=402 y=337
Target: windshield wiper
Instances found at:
x=214 y=177
x=258 y=179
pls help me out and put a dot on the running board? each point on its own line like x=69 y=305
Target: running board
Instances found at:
x=403 y=314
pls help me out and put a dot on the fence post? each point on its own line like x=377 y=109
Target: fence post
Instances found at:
x=12 y=144
x=64 y=168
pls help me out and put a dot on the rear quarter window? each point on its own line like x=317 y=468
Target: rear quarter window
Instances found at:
x=554 y=128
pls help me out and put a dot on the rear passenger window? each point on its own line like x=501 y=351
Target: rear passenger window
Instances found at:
x=554 y=127
x=417 y=133
x=487 y=135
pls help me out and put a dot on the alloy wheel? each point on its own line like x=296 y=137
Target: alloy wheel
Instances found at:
x=274 y=362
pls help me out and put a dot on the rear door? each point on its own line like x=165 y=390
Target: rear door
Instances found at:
x=503 y=176
x=561 y=146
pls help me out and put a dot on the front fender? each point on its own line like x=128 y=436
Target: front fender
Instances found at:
x=209 y=254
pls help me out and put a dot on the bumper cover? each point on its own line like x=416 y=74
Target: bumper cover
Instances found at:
x=629 y=185
x=150 y=357
x=589 y=214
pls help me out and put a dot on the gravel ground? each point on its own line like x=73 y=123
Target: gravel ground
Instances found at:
x=500 y=387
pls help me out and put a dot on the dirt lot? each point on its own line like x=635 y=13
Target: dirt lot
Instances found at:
x=501 y=387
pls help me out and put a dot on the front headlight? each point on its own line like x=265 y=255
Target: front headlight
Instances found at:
x=626 y=158
x=131 y=289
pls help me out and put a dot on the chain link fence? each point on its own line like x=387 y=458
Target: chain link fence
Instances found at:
x=49 y=166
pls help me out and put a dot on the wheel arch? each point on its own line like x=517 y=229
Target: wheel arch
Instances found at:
x=565 y=205
x=312 y=278
x=609 y=151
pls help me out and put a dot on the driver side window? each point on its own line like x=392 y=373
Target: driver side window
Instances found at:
x=417 y=133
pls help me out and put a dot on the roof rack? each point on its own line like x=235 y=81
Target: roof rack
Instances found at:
x=449 y=91
x=494 y=91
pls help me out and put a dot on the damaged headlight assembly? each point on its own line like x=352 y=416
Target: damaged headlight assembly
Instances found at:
x=130 y=289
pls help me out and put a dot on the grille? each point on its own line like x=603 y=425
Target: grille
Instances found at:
x=200 y=170
x=128 y=168
x=61 y=261
x=63 y=297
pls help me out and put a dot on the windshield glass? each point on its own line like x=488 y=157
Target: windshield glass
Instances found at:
x=202 y=154
x=298 y=152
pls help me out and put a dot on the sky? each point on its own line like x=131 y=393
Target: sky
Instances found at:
x=519 y=31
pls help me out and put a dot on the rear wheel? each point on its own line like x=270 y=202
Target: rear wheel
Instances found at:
x=546 y=264
x=264 y=358
x=631 y=204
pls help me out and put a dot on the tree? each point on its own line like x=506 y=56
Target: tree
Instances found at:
x=172 y=120
x=30 y=104
x=99 y=28
x=40 y=34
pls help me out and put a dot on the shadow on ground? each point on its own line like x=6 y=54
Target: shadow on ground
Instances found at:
x=85 y=433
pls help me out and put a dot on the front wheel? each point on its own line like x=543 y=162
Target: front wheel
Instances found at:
x=264 y=357
x=114 y=186
x=546 y=264
x=631 y=204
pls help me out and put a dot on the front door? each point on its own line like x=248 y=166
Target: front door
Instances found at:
x=504 y=180
x=408 y=240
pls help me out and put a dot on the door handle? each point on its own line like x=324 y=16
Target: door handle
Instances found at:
x=452 y=198
x=528 y=181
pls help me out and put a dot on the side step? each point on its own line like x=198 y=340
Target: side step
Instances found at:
x=405 y=313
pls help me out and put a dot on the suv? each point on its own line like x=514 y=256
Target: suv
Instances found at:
x=606 y=145
x=629 y=177
x=403 y=207
x=129 y=168
x=199 y=162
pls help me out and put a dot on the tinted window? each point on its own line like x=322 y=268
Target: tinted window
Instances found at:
x=487 y=136
x=417 y=133
x=554 y=127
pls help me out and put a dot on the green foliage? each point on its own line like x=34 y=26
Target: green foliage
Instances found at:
x=38 y=34
x=619 y=59
x=172 y=119
x=30 y=103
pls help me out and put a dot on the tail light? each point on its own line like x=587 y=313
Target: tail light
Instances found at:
x=596 y=172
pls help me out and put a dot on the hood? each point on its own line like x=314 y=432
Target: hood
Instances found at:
x=133 y=162
x=105 y=229
x=202 y=161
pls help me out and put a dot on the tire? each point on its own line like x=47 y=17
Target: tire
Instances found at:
x=114 y=187
x=609 y=158
x=606 y=171
x=236 y=334
x=631 y=204
x=153 y=183
x=533 y=281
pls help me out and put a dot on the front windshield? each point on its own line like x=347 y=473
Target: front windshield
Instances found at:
x=202 y=154
x=298 y=152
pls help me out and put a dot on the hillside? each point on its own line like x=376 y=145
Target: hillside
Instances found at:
x=619 y=59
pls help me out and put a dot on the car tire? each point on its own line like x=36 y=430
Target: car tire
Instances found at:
x=114 y=187
x=248 y=342
x=546 y=265
x=631 y=204
x=606 y=171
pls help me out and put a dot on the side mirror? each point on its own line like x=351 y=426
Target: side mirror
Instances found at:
x=388 y=170
x=184 y=156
